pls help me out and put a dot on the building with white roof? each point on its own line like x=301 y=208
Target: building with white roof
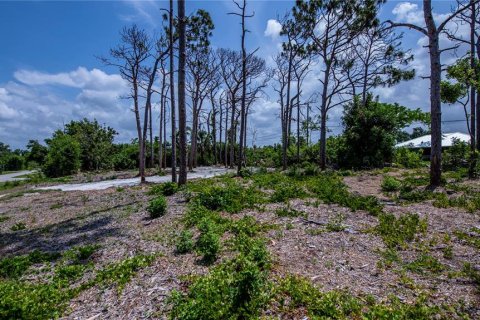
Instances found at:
x=423 y=142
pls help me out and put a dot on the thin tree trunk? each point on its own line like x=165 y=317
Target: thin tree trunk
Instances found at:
x=473 y=129
x=161 y=123
x=232 y=135
x=244 y=95
x=436 y=108
x=182 y=179
x=152 y=158
x=172 y=92
x=323 y=123
x=298 y=121
x=226 y=135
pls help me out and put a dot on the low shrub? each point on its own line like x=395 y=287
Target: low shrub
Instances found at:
x=165 y=189
x=287 y=191
x=208 y=243
x=408 y=158
x=396 y=232
x=390 y=184
x=157 y=207
x=185 y=242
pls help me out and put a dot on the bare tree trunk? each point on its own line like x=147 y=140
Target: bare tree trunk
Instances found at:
x=232 y=135
x=172 y=91
x=323 y=123
x=436 y=108
x=141 y=154
x=182 y=179
x=161 y=122
x=244 y=94
x=214 y=130
x=477 y=107
x=226 y=135
x=152 y=157
x=298 y=121
x=164 y=161
x=473 y=129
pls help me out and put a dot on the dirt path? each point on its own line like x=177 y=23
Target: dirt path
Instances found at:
x=201 y=172
x=12 y=176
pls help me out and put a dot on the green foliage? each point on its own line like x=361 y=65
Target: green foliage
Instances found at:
x=330 y=189
x=120 y=273
x=297 y=294
x=472 y=273
x=408 y=158
x=288 y=212
x=15 y=267
x=230 y=197
x=125 y=156
x=456 y=156
x=96 y=143
x=18 y=226
x=208 y=243
x=371 y=130
x=287 y=191
x=425 y=263
x=157 y=207
x=396 y=232
x=472 y=238
x=166 y=189
x=36 y=153
x=63 y=156
x=235 y=289
x=46 y=299
x=185 y=242
x=390 y=184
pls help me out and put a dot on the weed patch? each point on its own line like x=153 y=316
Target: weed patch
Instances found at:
x=396 y=232
x=157 y=207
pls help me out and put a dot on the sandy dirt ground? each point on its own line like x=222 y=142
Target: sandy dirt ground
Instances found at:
x=117 y=220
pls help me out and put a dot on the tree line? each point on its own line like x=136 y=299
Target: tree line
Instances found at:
x=343 y=44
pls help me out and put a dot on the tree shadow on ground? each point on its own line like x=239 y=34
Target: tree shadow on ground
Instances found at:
x=82 y=230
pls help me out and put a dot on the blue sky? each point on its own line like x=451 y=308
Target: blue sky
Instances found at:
x=49 y=74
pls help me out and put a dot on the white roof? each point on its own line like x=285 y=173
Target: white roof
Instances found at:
x=424 y=141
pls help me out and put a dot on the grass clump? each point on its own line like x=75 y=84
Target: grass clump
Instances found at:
x=396 y=232
x=18 y=226
x=236 y=289
x=230 y=197
x=208 y=243
x=425 y=264
x=4 y=218
x=157 y=207
x=287 y=191
x=472 y=238
x=120 y=273
x=296 y=295
x=49 y=298
x=330 y=189
x=390 y=184
x=185 y=242
x=288 y=212
x=15 y=267
x=165 y=189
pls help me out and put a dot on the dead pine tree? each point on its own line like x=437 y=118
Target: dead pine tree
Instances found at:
x=242 y=7
x=128 y=57
x=432 y=31
x=182 y=116
x=172 y=90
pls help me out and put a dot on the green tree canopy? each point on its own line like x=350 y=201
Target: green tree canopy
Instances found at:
x=371 y=131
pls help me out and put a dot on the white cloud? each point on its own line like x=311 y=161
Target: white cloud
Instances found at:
x=408 y=12
x=36 y=104
x=273 y=29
